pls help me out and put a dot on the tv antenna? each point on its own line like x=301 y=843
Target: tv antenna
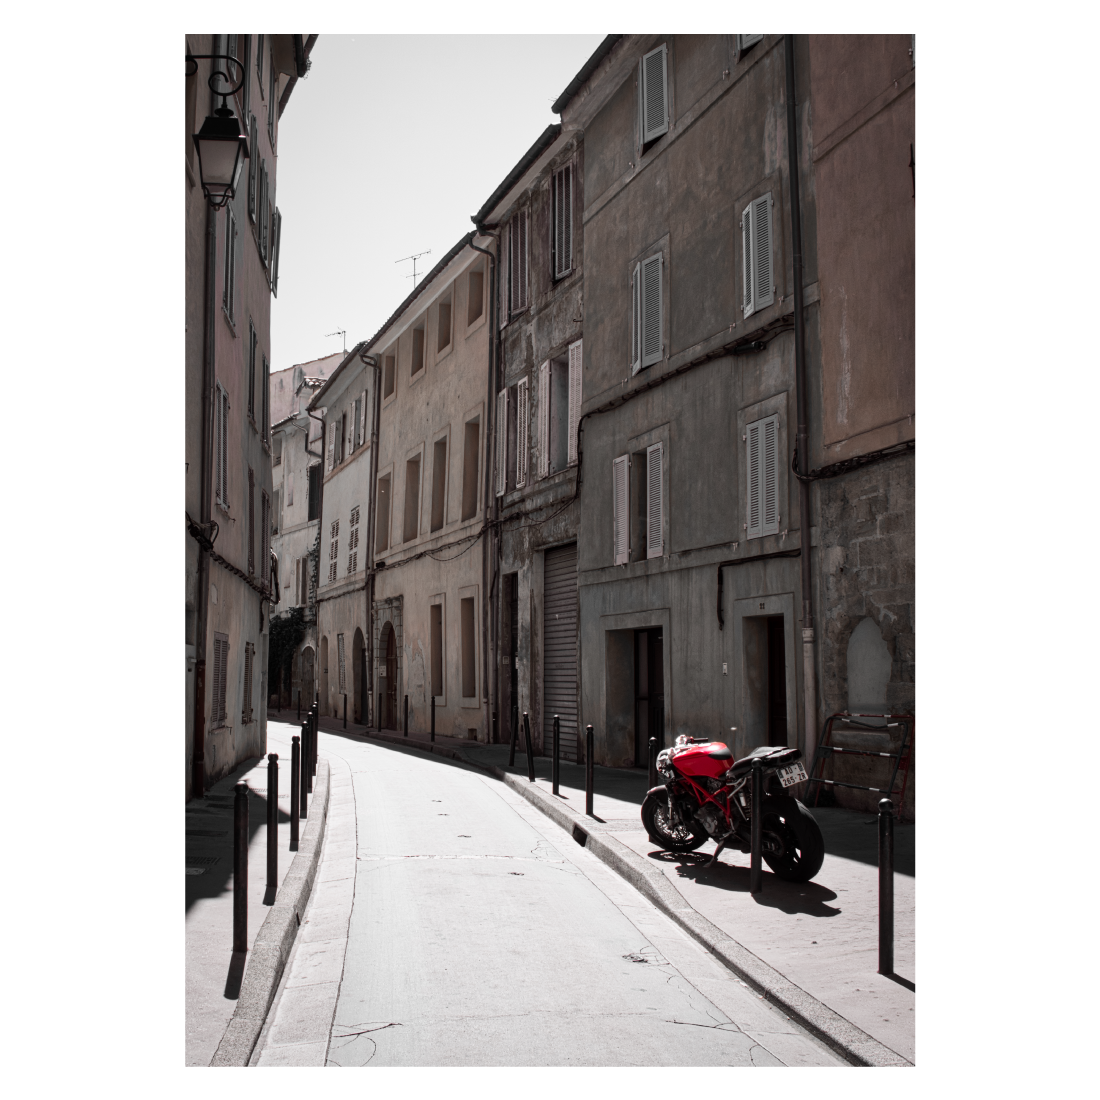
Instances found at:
x=415 y=273
x=342 y=332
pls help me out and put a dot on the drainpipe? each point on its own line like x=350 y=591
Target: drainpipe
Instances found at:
x=808 y=663
x=489 y=668
x=371 y=360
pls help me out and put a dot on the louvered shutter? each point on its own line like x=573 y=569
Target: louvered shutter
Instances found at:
x=763 y=288
x=770 y=477
x=652 y=345
x=265 y=539
x=223 y=447
x=523 y=259
x=544 y=419
x=746 y=261
x=512 y=265
x=265 y=405
x=521 y=433
x=331 y=443
x=654 y=85
x=502 y=442
x=636 y=320
x=752 y=465
x=363 y=418
x=620 y=492
x=654 y=465
x=563 y=221
x=277 y=236
x=575 y=361
x=253 y=163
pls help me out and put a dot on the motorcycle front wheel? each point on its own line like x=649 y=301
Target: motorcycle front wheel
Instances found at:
x=803 y=844
x=661 y=831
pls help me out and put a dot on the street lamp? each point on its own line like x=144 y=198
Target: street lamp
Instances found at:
x=221 y=147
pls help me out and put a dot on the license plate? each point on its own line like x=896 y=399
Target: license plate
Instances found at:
x=791 y=775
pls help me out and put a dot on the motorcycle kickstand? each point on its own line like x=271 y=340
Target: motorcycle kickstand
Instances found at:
x=717 y=852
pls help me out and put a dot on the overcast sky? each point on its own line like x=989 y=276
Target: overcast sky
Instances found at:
x=386 y=149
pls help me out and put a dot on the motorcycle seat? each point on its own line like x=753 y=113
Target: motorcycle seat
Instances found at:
x=775 y=756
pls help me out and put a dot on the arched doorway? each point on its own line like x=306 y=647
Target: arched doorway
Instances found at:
x=306 y=677
x=387 y=682
x=358 y=677
x=324 y=676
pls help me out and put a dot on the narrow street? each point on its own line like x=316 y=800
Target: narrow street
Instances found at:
x=454 y=924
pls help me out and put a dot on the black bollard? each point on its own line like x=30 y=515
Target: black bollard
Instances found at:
x=406 y=716
x=240 y=868
x=757 y=829
x=885 y=886
x=589 y=773
x=313 y=742
x=653 y=762
x=307 y=726
x=530 y=754
x=556 y=772
x=295 y=789
x=433 y=718
x=272 y=821
x=514 y=738
x=345 y=710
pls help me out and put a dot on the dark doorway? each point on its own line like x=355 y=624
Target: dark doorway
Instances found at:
x=387 y=686
x=511 y=648
x=777 y=682
x=649 y=692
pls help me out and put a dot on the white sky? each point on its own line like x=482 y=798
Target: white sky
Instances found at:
x=386 y=149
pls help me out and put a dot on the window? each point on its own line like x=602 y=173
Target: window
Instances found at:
x=276 y=238
x=246 y=710
x=443 y=337
x=470 y=451
x=331 y=459
x=620 y=487
x=512 y=437
x=744 y=41
x=221 y=446
x=360 y=429
x=653 y=94
x=517 y=264
x=559 y=410
x=244 y=55
x=758 y=290
x=252 y=341
x=253 y=168
x=313 y=491
x=229 y=277
x=340 y=662
x=437 y=649
x=521 y=433
x=412 y=499
x=262 y=211
x=382 y=530
x=217 y=695
x=762 y=466
x=502 y=442
x=333 y=549
x=260 y=62
x=646 y=331
x=389 y=375
x=654 y=485
x=561 y=186
x=638 y=505
x=356 y=414
x=273 y=87
x=353 y=541
x=265 y=538
x=266 y=383
x=439 y=484
x=418 y=349
x=475 y=296
x=343 y=449
x=301 y=581
x=251 y=521
x=469 y=649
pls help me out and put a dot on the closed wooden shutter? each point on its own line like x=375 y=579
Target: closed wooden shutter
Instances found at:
x=502 y=442
x=265 y=538
x=752 y=466
x=762 y=462
x=763 y=290
x=253 y=167
x=331 y=444
x=654 y=464
x=217 y=697
x=654 y=90
x=544 y=419
x=576 y=360
x=363 y=418
x=620 y=506
x=746 y=261
x=652 y=336
x=251 y=521
x=517 y=263
x=266 y=405
x=277 y=236
x=563 y=221
x=521 y=433
x=246 y=708
x=559 y=632
x=636 y=319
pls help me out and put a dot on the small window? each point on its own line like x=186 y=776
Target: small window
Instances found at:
x=758 y=289
x=562 y=200
x=469 y=649
x=412 y=499
x=313 y=492
x=475 y=296
x=646 y=324
x=653 y=94
x=439 y=484
x=762 y=468
x=559 y=403
x=217 y=695
x=437 y=649
x=470 y=454
x=389 y=375
x=382 y=531
x=517 y=264
x=418 y=349
x=443 y=336
x=246 y=710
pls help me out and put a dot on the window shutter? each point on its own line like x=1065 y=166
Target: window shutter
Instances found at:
x=217 y=696
x=265 y=539
x=654 y=94
x=746 y=261
x=575 y=361
x=502 y=442
x=253 y=163
x=251 y=521
x=563 y=221
x=331 y=443
x=225 y=449
x=636 y=320
x=523 y=259
x=770 y=477
x=363 y=418
x=544 y=419
x=512 y=265
x=277 y=236
x=654 y=464
x=521 y=433
x=747 y=40
x=266 y=404
x=652 y=345
x=297 y=580
x=763 y=289
x=752 y=465
x=246 y=709
x=620 y=486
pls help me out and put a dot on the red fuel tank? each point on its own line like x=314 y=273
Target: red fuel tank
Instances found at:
x=711 y=759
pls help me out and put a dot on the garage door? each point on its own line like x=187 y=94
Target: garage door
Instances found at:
x=559 y=648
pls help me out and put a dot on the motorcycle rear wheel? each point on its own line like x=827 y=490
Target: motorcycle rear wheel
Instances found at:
x=804 y=845
x=661 y=831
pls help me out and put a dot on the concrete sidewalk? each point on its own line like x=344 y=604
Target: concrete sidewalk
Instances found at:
x=821 y=936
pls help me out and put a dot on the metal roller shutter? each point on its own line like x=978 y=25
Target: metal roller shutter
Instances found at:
x=559 y=634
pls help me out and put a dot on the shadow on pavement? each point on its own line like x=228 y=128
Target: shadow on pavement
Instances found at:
x=236 y=973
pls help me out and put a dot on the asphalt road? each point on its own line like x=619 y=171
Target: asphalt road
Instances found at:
x=452 y=924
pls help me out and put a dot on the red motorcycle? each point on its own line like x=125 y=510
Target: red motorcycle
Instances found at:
x=707 y=794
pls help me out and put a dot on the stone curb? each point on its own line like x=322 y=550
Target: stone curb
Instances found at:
x=849 y=1041
x=269 y=953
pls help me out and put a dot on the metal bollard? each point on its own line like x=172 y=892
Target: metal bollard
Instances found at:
x=885 y=886
x=756 y=873
x=530 y=754
x=653 y=762
x=514 y=738
x=406 y=716
x=313 y=741
x=556 y=772
x=304 y=769
x=295 y=788
x=240 y=868
x=589 y=774
x=307 y=771
x=345 y=710
x=272 y=820
x=433 y=718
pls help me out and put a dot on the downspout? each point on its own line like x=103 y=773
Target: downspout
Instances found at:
x=488 y=606
x=808 y=662
x=372 y=492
